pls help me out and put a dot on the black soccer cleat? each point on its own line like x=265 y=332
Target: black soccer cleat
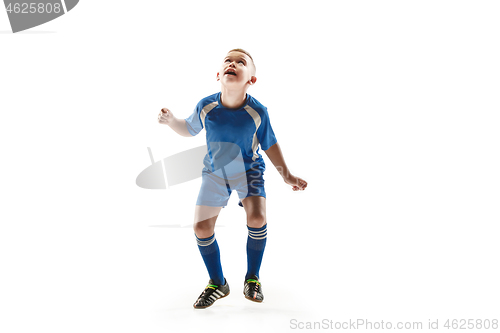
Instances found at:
x=211 y=293
x=253 y=289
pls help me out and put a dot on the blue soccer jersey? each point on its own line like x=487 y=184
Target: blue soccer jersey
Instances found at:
x=233 y=135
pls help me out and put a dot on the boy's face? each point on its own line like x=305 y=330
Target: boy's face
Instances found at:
x=236 y=71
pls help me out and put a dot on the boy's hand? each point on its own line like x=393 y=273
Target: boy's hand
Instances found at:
x=165 y=116
x=297 y=183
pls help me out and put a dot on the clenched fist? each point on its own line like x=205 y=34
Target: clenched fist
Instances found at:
x=165 y=116
x=297 y=183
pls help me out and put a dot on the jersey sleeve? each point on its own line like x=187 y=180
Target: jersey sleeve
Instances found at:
x=265 y=133
x=193 y=122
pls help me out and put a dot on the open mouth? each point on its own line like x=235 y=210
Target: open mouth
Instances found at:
x=230 y=72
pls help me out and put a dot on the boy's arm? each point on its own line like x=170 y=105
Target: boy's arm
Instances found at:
x=276 y=156
x=166 y=117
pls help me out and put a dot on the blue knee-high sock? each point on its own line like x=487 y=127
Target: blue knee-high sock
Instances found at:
x=211 y=256
x=256 y=243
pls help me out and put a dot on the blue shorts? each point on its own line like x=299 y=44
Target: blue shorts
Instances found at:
x=216 y=187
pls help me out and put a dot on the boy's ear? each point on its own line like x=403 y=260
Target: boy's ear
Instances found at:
x=218 y=76
x=253 y=80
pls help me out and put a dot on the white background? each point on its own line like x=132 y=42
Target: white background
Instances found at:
x=389 y=109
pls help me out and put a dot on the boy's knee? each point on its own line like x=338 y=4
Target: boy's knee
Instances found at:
x=256 y=220
x=203 y=229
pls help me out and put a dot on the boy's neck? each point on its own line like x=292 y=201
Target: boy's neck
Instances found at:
x=233 y=99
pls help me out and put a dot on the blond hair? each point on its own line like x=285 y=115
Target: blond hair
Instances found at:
x=248 y=54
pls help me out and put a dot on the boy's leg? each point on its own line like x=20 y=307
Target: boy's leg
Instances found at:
x=255 y=208
x=204 y=224
x=205 y=218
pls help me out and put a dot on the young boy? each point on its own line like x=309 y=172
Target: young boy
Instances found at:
x=235 y=125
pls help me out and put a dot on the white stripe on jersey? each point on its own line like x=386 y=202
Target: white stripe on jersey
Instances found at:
x=257 y=120
x=206 y=110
